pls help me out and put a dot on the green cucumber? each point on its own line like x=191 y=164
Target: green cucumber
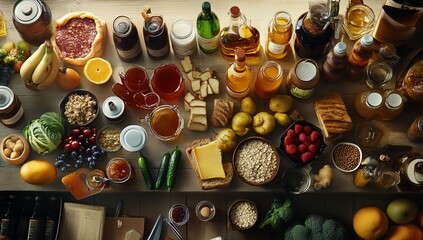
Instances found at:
x=162 y=170
x=171 y=172
x=143 y=165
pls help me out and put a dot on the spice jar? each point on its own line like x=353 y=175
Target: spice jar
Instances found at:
x=415 y=131
x=303 y=78
x=183 y=39
x=32 y=19
x=11 y=110
x=125 y=37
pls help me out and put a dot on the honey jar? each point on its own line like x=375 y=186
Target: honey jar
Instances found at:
x=303 y=78
x=11 y=110
x=385 y=105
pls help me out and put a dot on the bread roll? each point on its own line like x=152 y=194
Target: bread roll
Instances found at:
x=413 y=82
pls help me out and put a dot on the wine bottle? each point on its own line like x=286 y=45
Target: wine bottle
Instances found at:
x=8 y=221
x=51 y=220
x=35 y=221
x=208 y=28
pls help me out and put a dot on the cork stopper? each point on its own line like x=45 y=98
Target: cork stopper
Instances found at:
x=235 y=12
x=239 y=55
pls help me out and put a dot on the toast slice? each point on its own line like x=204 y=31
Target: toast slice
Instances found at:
x=209 y=183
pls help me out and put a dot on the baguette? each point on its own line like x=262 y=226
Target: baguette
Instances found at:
x=332 y=115
x=208 y=184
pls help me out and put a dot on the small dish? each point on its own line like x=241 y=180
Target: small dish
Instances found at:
x=371 y=134
x=205 y=211
x=119 y=170
x=346 y=156
x=296 y=180
x=13 y=154
x=108 y=138
x=242 y=214
x=179 y=214
x=133 y=138
x=85 y=113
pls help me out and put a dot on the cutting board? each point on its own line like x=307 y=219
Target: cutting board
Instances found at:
x=113 y=232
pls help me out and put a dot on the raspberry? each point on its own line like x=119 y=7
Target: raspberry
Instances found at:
x=298 y=128
x=291 y=149
x=290 y=133
x=307 y=130
x=302 y=148
x=314 y=136
x=288 y=140
x=306 y=157
x=312 y=148
x=303 y=138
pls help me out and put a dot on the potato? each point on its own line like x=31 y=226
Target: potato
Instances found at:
x=18 y=147
x=14 y=155
x=7 y=152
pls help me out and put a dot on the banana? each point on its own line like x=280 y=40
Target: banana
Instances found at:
x=44 y=67
x=31 y=63
x=51 y=78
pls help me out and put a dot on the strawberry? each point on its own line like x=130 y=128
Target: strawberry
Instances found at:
x=307 y=130
x=287 y=140
x=314 y=136
x=312 y=148
x=306 y=157
x=298 y=128
x=291 y=149
x=303 y=138
x=302 y=148
x=290 y=132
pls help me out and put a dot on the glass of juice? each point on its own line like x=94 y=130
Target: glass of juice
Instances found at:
x=119 y=170
x=81 y=183
x=269 y=79
x=168 y=82
x=165 y=122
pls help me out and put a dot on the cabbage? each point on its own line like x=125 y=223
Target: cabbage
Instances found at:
x=45 y=133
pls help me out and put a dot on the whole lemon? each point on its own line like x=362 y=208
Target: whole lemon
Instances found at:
x=370 y=223
x=38 y=172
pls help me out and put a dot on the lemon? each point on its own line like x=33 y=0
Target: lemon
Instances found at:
x=245 y=32
x=283 y=119
x=98 y=70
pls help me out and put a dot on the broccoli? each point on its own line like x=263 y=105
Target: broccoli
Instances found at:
x=333 y=230
x=315 y=223
x=298 y=232
x=278 y=214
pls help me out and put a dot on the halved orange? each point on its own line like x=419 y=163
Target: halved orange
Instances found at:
x=98 y=70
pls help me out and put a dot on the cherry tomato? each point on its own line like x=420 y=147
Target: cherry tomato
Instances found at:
x=68 y=79
x=17 y=66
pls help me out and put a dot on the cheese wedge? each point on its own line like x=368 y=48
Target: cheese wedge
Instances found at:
x=209 y=161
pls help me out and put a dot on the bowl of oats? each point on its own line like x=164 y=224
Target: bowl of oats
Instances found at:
x=79 y=107
x=108 y=138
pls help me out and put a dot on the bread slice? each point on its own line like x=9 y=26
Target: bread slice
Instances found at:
x=209 y=183
x=222 y=111
x=332 y=115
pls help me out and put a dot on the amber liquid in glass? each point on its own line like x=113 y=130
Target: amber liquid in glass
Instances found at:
x=279 y=37
x=249 y=40
x=168 y=83
x=165 y=122
x=268 y=81
x=81 y=183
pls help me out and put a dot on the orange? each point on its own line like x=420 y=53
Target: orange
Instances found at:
x=419 y=219
x=98 y=70
x=68 y=79
x=38 y=172
x=370 y=223
x=404 y=232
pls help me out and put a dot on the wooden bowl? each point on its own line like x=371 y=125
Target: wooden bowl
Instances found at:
x=22 y=156
x=236 y=206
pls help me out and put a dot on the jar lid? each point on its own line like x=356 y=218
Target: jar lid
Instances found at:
x=235 y=11
x=27 y=11
x=6 y=97
x=306 y=70
x=113 y=107
x=394 y=100
x=182 y=28
x=133 y=138
x=374 y=99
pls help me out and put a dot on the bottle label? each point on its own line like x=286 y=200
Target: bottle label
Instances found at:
x=131 y=53
x=208 y=44
x=301 y=93
x=277 y=48
x=33 y=229
x=4 y=227
x=49 y=228
x=158 y=52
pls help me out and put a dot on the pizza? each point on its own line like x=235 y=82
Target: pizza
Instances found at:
x=78 y=37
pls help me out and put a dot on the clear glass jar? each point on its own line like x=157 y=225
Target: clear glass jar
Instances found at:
x=279 y=35
x=165 y=122
x=359 y=20
x=268 y=80
x=368 y=103
x=182 y=36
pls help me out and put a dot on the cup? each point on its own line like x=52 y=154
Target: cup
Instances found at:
x=119 y=170
x=358 y=21
x=165 y=122
x=384 y=177
x=135 y=79
x=296 y=180
x=168 y=82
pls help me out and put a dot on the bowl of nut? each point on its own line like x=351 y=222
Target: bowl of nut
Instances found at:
x=242 y=214
x=346 y=156
x=14 y=149
x=79 y=107
x=256 y=161
x=108 y=138
x=302 y=143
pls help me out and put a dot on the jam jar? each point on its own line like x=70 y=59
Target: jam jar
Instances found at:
x=32 y=19
x=11 y=110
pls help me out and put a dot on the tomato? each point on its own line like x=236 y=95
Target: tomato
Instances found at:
x=38 y=172
x=18 y=66
x=68 y=79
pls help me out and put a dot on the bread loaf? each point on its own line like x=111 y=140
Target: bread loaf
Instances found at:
x=332 y=115
x=413 y=82
x=222 y=111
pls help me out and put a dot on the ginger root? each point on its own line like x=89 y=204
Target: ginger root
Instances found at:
x=324 y=178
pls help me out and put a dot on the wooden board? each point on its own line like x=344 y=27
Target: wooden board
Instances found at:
x=113 y=232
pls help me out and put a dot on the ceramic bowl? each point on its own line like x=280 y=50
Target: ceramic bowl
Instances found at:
x=346 y=156
x=242 y=214
x=16 y=155
x=81 y=116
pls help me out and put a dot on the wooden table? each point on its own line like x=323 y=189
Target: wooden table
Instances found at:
x=138 y=199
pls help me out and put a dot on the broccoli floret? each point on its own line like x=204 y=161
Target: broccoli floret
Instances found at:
x=315 y=223
x=334 y=230
x=278 y=214
x=298 y=232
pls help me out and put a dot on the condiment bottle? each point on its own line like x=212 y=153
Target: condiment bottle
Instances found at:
x=182 y=36
x=415 y=131
x=303 y=78
x=368 y=102
x=268 y=80
x=394 y=104
x=83 y=182
x=239 y=76
x=360 y=56
x=239 y=35
x=208 y=29
x=335 y=66
x=279 y=35
x=11 y=110
x=125 y=37
x=155 y=35
x=32 y=19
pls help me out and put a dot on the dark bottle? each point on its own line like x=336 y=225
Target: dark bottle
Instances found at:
x=8 y=221
x=35 y=222
x=208 y=28
x=156 y=37
x=125 y=37
x=24 y=218
x=50 y=224
x=334 y=68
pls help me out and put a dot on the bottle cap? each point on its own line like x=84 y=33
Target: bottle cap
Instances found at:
x=374 y=99
x=133 y=138
x=27 y=11
x=205 y=6
x=367 y=40
x=235 y=12
x=113 y=108
x=340 y=48
x=394 y=100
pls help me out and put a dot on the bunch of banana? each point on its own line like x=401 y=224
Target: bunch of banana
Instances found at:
x=40 y=70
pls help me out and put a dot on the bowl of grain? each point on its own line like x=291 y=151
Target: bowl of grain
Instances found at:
x=242 y=214
x=346 y=156
x=79 y=107
x=108 y=138
x=256 y=161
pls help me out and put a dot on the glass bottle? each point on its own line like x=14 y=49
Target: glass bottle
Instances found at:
x=182 y=36
x=125 y=37
x=239 y=35
x=314 y=30
x=415 y=131
x=83 y=182
x=368 y=103
x=3 y=28
x=268 y=80
x=155 y=35
x=279 y=35
x=360 y=56
x=208 y=29
x=335 y=66
x=9 y=221
x=239 y=76
x=50 y=225
x=24 y=216
x=35 y=224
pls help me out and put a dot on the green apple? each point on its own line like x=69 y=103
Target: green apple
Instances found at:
x=263 y=123
x=402 y=210
x=226 y=139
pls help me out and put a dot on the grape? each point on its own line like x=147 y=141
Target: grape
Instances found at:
x=95 y=148
x=74 y=154
x=75 y=145
x=94 y=130
x=90 y=159
x=56 y=164
x=63 y=169
x=103 y=152
x=62 y=156
x=87 y=132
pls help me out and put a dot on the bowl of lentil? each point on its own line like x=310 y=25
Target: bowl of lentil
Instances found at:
x=108 y=138
x=256 y=161
x=242 y=214
x=346 y=156
x=79 y=107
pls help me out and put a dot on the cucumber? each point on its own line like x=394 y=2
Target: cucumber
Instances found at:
x=143 y=165
x=170 y=177
x=162 y=170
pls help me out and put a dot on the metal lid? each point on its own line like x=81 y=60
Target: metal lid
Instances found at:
x=374 y=99
x=6 y=97
x=133 y=138
x=113 y=107
x=394 y=100
x=27 y=11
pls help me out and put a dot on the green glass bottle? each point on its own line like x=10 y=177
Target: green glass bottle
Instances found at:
x=208 y=28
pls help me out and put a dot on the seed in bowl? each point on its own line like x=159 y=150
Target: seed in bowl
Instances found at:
x=109 y=139
x=346 y=156
x=243 y=215
x=80 y=109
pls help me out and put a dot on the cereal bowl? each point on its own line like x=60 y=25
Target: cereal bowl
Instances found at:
x=242 y=214
x=346 y=156
x=14 y=149
x=108 y=138
x=79 y=107
x=256 y=161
